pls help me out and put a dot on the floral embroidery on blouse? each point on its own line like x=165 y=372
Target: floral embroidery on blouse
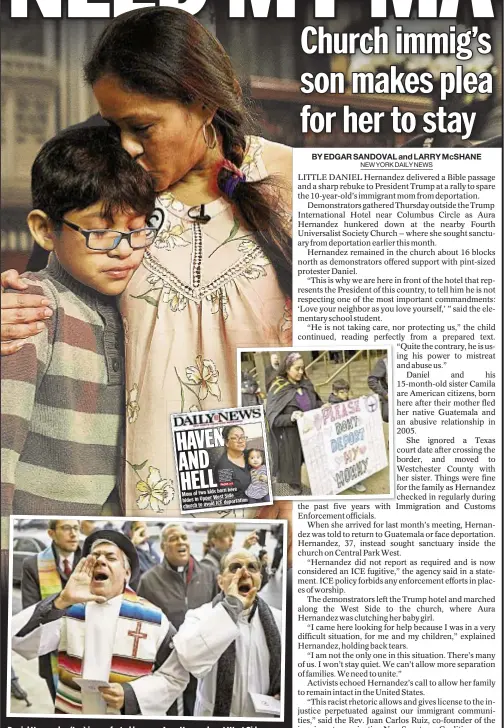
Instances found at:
x=286 y=325
x=219 y=300
x=154 y=492
x=257 y=268
x=202 y=380
x=132 y=406
x=248 y=246
x=205 y=376
x=254 y=271
x=171 y=236
x=174 y=299
x=251 y=157
x=170 y=202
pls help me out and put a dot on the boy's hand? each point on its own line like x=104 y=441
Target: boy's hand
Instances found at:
x=21 y=315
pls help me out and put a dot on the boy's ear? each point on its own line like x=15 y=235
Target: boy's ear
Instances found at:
x=41 y=228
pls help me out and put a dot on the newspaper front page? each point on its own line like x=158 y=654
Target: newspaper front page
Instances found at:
x=305 y=527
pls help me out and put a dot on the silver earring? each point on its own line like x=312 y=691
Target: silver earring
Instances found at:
x=213 y=143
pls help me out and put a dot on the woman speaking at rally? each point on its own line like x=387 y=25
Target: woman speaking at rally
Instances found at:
x=291 y=394
x=219 y=274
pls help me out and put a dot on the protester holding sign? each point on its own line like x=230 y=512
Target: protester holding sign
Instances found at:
x=291 y=394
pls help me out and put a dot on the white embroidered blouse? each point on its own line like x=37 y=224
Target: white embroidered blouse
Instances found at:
x=202 y=291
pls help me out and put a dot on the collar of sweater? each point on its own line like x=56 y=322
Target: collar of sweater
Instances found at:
x=88 y=295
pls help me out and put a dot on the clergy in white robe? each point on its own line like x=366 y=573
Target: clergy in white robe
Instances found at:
x=233 y=643
x=104 y=632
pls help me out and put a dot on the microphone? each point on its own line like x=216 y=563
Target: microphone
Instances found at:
x=199 y=216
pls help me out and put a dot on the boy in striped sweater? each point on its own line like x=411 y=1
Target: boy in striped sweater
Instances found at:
x=63 y=391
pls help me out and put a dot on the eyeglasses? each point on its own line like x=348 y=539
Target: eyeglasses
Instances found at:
x=69 y=529
x=104 y=240
x=238 y=438
x=252 y=567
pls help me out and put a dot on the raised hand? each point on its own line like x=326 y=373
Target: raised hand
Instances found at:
x=78 y=586
x=234 y=591
x=250 y=540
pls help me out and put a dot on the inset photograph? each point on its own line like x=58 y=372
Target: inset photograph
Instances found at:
x=178 y=618
x=222 y=459
x=327 y=418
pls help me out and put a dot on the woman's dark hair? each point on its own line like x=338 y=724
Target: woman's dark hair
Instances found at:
x=288 y=362
x=83 y=166
x=167 y=54
x=226 y=431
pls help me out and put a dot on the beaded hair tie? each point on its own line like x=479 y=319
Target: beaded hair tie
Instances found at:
x=229 y=182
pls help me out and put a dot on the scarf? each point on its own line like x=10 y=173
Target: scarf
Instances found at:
x=134 y=648
x=49 y=576
x=50 y=584
x=282 y=393
x=226 y=664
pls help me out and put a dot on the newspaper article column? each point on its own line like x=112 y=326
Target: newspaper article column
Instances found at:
x=397 y=618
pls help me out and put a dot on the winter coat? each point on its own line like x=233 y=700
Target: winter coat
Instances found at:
x=287 y=455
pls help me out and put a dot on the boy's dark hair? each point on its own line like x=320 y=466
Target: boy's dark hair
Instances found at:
x=340 y=384
x=86 y=165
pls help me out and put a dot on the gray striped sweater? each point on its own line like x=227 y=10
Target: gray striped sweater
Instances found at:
x=63 y=404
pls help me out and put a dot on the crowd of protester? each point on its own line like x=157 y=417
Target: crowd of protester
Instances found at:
x=167 y=575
